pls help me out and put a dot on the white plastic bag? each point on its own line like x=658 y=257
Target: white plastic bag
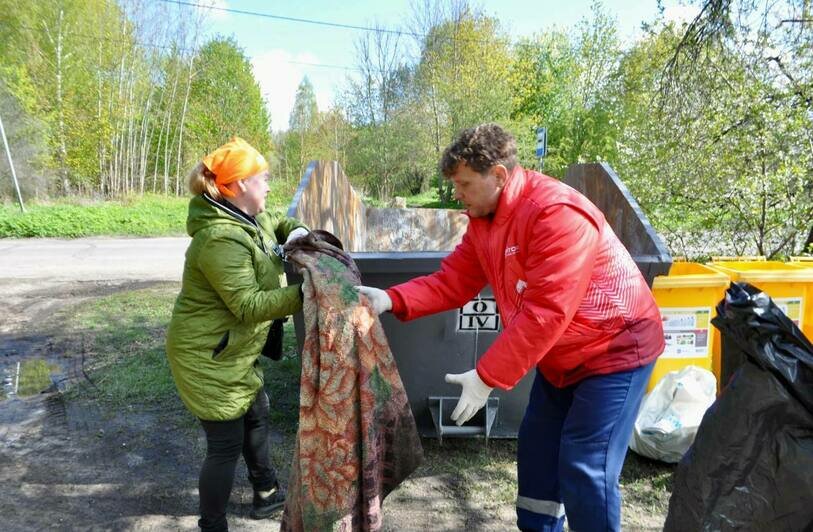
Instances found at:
x=670 y=414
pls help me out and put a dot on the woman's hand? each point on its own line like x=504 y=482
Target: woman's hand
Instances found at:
x=299 y=232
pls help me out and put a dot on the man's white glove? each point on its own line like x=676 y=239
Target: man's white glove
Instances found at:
x=472 y=398
x=296 y=233
x=379 y=299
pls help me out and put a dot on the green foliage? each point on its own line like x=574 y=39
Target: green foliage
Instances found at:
x=225 y=100
x=305 y=114
x=149 y=215
x=562 y=83
x=708 y=123
x=721 y=161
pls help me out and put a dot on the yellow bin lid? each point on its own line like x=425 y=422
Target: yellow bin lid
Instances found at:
x=739 y=258
x=769 y=271
x=690 y=275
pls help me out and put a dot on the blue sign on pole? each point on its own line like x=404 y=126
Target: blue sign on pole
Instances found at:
x=541 y=141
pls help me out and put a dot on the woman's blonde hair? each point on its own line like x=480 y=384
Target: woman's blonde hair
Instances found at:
x=201 y=180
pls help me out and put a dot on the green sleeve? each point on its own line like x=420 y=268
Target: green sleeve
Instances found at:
x=227 y=265
x=285 y=226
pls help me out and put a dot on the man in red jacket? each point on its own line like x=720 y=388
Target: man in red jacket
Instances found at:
x=572 y=302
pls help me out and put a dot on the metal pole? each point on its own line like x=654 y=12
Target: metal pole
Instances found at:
x=17 y=380
x=11 y=165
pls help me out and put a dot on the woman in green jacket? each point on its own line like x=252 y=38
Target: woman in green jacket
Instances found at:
x=229 y=294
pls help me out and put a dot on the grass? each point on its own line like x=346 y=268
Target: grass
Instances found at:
x=147 y=215
x=430 y=200
x=424 y=200
x=282 y=383
x=150 y=215
x=124 y=337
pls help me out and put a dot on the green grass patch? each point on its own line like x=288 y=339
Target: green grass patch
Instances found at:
x=646 y=484
x=124 y=340
x=425 y=200
x=124 y=336
x=430 y=200
x=484 y=472
x=150 y=215
x=282 y=383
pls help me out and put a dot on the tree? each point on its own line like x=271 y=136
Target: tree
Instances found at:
x=463 y=74
x=302 y=125
x=224 y=100
x=562 y=83
x=721 y=158
x=775 y=43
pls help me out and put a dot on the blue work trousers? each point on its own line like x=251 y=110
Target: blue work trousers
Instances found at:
x=572 y=444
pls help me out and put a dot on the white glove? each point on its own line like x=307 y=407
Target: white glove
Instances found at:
x=379 y=300
x=296 y=233
x=473 y=397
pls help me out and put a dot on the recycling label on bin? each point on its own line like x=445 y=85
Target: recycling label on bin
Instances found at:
x=686 y=332
x=792 y=307
x=479 y=314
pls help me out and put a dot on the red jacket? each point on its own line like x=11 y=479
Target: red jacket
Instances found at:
x=571 y=299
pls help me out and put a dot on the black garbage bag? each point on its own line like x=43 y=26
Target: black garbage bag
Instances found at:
x=751 y=464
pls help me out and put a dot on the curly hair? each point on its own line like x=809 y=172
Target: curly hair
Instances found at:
x=480 y=147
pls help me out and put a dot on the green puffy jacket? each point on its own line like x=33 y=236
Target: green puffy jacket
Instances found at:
x=229 y=294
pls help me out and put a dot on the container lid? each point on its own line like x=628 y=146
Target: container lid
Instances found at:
x=691 y=275
x=769 y=271
x=739 y=258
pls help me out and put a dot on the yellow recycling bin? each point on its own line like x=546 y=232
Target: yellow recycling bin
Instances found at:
x=789 y=285
x=806 y=262
x=687 y=298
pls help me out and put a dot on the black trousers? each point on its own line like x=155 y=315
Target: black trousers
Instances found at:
x=225 y=441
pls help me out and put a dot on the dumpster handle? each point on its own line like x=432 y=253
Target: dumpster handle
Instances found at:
x=436 y=405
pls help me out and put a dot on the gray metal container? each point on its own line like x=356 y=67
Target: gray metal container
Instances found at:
x=391 y=246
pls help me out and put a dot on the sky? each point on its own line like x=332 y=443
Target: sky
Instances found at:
x=282 y=52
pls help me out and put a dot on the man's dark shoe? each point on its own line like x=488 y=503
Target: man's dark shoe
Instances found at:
x=263 y=507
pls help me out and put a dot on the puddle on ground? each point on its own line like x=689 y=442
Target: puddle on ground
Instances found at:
x=27 y=377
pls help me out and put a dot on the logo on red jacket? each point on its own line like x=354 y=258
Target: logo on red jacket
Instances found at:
x=511 y=250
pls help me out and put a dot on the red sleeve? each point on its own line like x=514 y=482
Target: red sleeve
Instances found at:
x=563 y=248
x=459 y=279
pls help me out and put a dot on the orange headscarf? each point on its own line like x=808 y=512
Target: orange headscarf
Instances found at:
x=233 y=161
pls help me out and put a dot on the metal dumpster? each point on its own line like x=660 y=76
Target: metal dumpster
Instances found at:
x=392 y=245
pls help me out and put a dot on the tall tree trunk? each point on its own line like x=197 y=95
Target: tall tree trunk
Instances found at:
x=62 y=148
x=142 y=145
x=101 y=145
x=167 y=137
x=181 y=127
